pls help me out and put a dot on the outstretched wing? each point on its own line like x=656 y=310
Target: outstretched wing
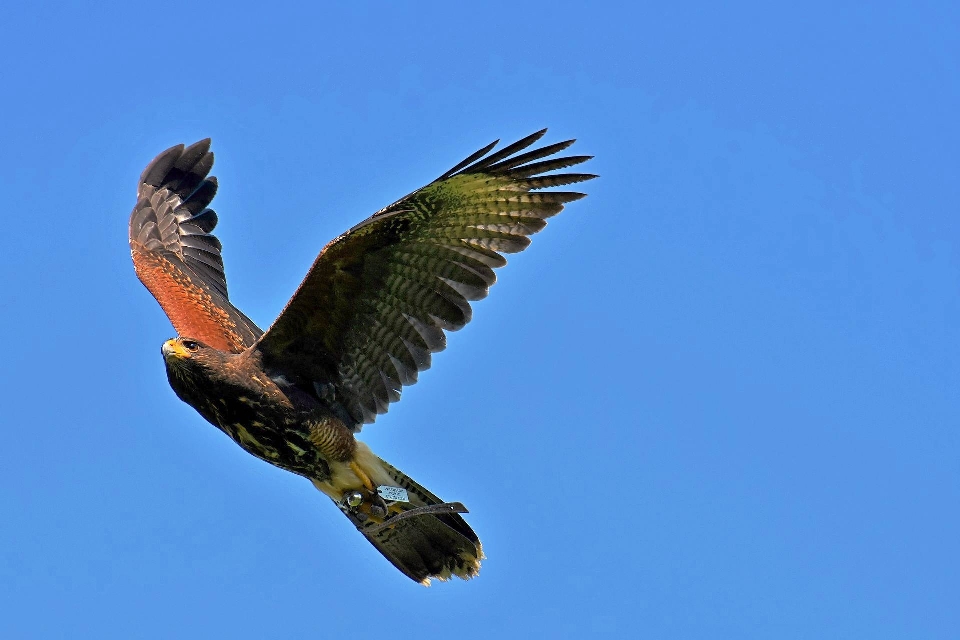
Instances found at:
x=377 y=300
x=176 y=256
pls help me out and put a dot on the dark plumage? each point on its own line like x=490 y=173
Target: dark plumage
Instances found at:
x=366 y=319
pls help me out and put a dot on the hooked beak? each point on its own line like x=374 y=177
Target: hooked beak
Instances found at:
x=173 y=349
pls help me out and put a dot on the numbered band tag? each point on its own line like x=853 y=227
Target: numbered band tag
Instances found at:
x=393 y=494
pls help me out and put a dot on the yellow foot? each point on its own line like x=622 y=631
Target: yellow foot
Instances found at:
x=366 y=504
x=366 y=500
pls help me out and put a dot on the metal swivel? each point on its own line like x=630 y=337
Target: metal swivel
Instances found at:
x=353 y=498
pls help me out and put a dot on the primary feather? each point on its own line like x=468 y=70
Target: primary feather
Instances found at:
x=377 y=300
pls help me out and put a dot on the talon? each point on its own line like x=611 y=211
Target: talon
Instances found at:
x=375 y=508
x=366 y=505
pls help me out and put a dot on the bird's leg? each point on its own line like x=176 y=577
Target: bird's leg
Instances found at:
x=364 y=478
x=336 y=444
x=366 y=501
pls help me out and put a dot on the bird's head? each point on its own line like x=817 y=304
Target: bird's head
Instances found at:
x=202 y=375
x=191 y=358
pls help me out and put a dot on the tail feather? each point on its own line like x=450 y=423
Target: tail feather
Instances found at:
x=423 y=546
x=453 y=520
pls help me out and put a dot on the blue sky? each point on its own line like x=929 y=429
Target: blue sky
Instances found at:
x=716 y=399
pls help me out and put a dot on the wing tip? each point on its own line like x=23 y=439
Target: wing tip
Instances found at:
x=157 y=170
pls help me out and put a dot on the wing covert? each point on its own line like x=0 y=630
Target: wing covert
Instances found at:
x=174 y=253
x=377 y=300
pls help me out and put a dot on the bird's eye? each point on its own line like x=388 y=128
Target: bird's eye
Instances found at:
x=191 y=345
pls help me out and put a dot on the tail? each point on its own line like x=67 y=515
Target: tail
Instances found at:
x=420 y=541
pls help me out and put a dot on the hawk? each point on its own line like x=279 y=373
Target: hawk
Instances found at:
x=364 y=322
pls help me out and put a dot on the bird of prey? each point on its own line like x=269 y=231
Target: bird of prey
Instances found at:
x=364 y=322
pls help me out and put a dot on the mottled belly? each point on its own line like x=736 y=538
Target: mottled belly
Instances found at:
x=282 y=440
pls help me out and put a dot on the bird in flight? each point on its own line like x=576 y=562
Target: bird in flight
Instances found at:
x=364 y=322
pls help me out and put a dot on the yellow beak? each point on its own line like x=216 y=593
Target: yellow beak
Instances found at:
x=173 y=348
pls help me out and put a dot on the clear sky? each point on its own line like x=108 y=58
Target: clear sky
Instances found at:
x=716 y=399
